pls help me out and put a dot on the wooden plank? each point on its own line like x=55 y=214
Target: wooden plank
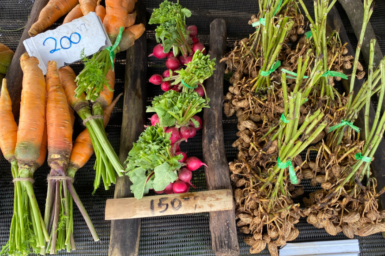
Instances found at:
x=335 y=22
x=222 y=224
x=125 y=234
x=15 y=74
x=173 y=204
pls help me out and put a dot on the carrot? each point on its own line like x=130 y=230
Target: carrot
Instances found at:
x=67 y=78
x=107 y=95
x=59 y=123
x=130 y=35
x=32 y=111
x=51 y=13
x=83 y=149
x=118 y=15
x=43 y=150
x=137 y=30
x=87 y=6
x=8 y=131
x=74 y=14
x=100 y=11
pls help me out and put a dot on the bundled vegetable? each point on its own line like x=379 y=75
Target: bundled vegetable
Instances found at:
x=6 y=55
x=58 y=215
x=24 y=148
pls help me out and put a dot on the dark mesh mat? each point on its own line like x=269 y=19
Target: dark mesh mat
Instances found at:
x=175 y=235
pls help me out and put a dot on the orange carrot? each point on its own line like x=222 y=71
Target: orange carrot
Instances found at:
x=107 y=95
x=83 y=149
x=130 y=35
x=32 y=111
x=87 y=6
x=67 y=79
x=43 y=149
x=137 y=30
x=117 y=16
x=59 y=124
x=100 y=11
x=8 y=130
x=74 y=14
x=51 y=13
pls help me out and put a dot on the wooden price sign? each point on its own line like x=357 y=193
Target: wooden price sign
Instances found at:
x=151 y=206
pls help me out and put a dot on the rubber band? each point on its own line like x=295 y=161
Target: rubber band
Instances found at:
x=291 y=73
x=344 y=123
x=334 y=74
x=283 y=118
x=23 y=179
x=292 y=174
x=50 y=177
x=276 y=65
x=111 y=49
x=262 y=21
x=365 y=159
x=186 y=85
x=92 y=118
x=279 y=6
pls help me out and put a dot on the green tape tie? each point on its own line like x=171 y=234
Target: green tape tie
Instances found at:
x=188 y=86
x=308 y=34
x=344 y=123
x=283 y=118
x=334 y=74
x=365 y=159
x=279 y=6
x=276 y=65
x=293 y=176
x=111 y=49
x=291 y=73
x=262 y=21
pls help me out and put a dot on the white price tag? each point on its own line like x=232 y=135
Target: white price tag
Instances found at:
x=65 y=43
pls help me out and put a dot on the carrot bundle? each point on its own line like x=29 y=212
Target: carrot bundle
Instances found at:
x=24 y=148
x=107 y=160
x=59 y=206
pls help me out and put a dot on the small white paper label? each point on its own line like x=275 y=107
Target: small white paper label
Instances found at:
x=66 y=43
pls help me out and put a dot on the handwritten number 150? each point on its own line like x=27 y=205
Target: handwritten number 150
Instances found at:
x=61 y=41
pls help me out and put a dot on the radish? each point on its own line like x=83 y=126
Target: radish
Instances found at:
x=197 y=118
x=172 y=63
x=170 y=54
x=200 y=91
x=159 y=192
x=179 y=187
x=156 y=79
x=195 y=39
x=182 y=60
x=175 y=88
x=165 y=86
x=185 y=132
x=158 y=52
x=200 y=47
x=192 y=131
x=193 y=163
x=188 y=59
x=183 y=154
x=185 y=175
x=176 y=147
x=175 y=135
x=168 y=189
x=193 y=30
x=167 y=73
x=154 y=119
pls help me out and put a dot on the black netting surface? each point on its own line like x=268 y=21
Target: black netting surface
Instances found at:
x=175 y=235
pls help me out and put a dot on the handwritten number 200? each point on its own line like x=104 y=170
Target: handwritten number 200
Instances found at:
x=61 y=40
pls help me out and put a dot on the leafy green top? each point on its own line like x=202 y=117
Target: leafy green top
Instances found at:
x=177 y=109
x=171 y=18
x=199 y=69
x=150 y=163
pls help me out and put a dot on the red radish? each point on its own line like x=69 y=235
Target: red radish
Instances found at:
x=185 y=175
x=170 y=54
x=179 y=187
x=182 y=59
x=167 y=73
x=175 y=135
x=172 y=63
x=193 y=30
x=188 y=59
x=156 y=79
x=168 y=189
x=200 y=91
x=159 y=192
x=158 y=52
x=165 y=86
x=197 y=118
x=200 y=47
x=183 y=154
x=195 y=39
x=154 y=119
x=192 y=131
x=193 y=163
x=185 y=132
x=176 y=147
